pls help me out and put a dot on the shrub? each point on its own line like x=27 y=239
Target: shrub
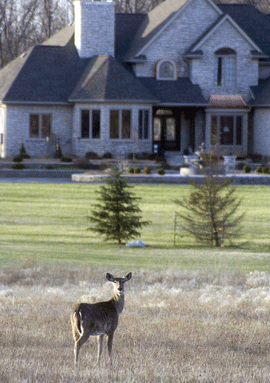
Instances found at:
x=23 y=153
x=246 y=169
x=259 y=169
x=137 y=170
x=161 y=171
x=17 y=159
x=107 y=155
x=147 y=170
x=18 y=166
x=66 y=159
x=160 y=160
x=91 y=155
x=83 y=163
x=265 y=170
x=130 y=169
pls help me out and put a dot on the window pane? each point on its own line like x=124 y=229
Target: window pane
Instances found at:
x=170 y=129
x=230 y=71
x=146 y=124
x=226 y=130
x=219 y=71
x=157 y=129
x=214 y=130
x=85 y=124
x=140 y=124
x=114 y=124
x=166 y=70
x=126 y=124
x=238 y=130
x=46 y=125
x=34 y=125
x=96 y=124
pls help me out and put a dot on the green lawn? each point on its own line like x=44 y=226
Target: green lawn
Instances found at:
x=47 y=222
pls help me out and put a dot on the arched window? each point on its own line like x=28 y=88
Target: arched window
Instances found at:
x=166 y=70
x=225 y=61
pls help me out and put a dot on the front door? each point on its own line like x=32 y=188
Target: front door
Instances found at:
x=166 y=132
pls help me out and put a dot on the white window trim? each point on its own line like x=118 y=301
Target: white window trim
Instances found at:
x=166 y=78
x=224 y=79
x=226 y=113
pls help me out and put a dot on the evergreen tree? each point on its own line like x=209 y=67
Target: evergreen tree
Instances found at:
x=210 y=211
x=117 y=215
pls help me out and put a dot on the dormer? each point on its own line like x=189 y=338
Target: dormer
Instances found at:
x=94 y=27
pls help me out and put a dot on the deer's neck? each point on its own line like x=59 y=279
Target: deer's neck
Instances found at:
x=118 y=300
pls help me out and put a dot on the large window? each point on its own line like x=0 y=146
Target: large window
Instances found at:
x=226 y=130
x=40 y=126
x=90 y=123
x=166 y=70
x=225 y=61
x=120 y=124
x=143 y=124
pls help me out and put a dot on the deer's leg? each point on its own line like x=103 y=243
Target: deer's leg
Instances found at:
x=100 y=344
x=78 y=345
x=110 y=343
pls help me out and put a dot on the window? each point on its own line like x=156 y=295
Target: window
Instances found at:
x=166 y=70
x=120 y=124
x=40 y=125
x=143 y=124
x=90 y=123
x=225 y=60
x=226 y=130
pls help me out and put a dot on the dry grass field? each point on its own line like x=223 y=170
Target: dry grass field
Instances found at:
x=177 y=326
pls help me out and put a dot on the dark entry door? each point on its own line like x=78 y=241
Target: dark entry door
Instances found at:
x=166 y=131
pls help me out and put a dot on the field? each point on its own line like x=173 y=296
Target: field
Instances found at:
x=192 y=314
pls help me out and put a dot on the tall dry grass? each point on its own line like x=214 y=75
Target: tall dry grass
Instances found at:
x=176 y=326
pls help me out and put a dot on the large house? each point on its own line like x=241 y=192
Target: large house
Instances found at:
x=188 y=72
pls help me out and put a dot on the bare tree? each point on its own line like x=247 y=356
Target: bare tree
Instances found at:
x=262 y=5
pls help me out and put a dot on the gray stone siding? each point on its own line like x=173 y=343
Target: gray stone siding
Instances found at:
x=261 y=131
x=94 y=27
x=203 y=70
x=18 y=122
x=177 y=38
x=117 y=147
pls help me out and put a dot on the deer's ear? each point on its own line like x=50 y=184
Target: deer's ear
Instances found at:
x=110 y=277
x=128 y=277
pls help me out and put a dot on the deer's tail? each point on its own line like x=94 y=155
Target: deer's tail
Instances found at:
x=77 y=321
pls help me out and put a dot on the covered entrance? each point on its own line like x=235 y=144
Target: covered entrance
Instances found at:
x=166 y=129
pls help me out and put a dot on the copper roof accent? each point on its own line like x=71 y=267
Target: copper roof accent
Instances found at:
x=228 y=101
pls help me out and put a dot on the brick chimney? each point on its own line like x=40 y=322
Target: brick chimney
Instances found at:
x=94 y=27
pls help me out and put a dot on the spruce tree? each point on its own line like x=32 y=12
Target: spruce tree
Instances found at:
x=117 y=215
x=210 y=213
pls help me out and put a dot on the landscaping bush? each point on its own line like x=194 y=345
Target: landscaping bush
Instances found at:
x=130 y=169
x=83 y=163
x=259 y=169
x=161 y=171
x=18 y=166
x=23 y=153
x=107 y=155
x=137 y=170
x=66 y=159
x=91 y=155
x=246 y=169
x=17 y=159
x=147 y=170
x=265 y=170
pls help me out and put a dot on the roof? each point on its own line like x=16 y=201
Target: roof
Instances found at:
x=105 y=79
x=261 y=94
x=180 y=92
x=45 y=74
x=229 y=101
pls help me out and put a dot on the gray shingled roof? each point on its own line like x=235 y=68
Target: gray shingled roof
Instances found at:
x=261 y=94
x=45 y=74
x=180 y=92
x=105 y=79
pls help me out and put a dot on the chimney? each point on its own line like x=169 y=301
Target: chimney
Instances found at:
x=94 y=27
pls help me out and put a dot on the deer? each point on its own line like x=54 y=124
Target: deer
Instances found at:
x=98 y=319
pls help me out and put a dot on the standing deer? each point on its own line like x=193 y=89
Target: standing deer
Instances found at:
x=99 y=318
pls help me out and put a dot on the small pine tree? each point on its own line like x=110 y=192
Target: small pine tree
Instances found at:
x=210 y=211
x=117 y=215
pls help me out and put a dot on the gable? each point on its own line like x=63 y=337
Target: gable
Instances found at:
x=159 y=19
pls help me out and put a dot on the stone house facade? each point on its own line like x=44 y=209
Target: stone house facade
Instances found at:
x=188 y=72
